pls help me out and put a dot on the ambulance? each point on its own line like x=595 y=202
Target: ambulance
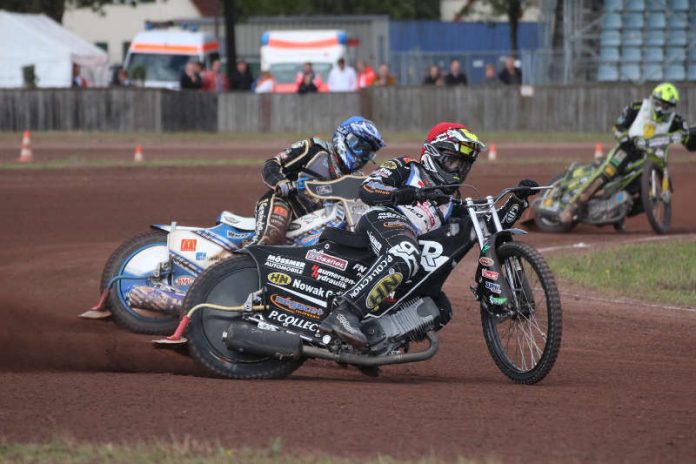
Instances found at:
x=157 y=58
x=284 y=52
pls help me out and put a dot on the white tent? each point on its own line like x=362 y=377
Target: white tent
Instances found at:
x=28 y=39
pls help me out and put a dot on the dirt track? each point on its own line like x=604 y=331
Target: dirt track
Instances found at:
x=622 y=389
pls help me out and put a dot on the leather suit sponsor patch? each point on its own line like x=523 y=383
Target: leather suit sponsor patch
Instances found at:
x=382 y=289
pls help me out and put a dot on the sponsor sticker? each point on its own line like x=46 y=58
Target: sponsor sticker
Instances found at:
x=486 y=261
x=389 y=165
x=368 y=278
x=493 y=287
x=288 y=304
x=201 y=255
x=284 y=264
x=184 y=281
x=330 y=277
x=279 y=278
x=310 y=289
x=485 y=248
x=286 y=320
x=382 y=289
x=233 y=234
x=498 y=300
x=359 y=268
x=324 y=189
x=431 y=255
x=188 y=244
x=280 y=211
x=489 y=274
x=322 y=258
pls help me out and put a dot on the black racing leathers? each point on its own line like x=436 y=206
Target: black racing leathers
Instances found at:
x=393 y=230
x=628 y=151
x=305 y=160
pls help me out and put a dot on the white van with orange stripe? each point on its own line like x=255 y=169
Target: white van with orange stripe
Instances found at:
x=284 y=52
x=158 y=58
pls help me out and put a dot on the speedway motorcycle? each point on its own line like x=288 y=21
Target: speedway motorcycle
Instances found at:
x=256 y=315
x=145 y=280
x=645 y=186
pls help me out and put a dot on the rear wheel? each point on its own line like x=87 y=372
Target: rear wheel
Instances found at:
x=525 y=343
x=657 y=201
x=227 y=283
x=137 y=259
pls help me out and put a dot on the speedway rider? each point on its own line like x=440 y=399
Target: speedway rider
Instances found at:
x=355 y=142
x=638 y=121
x=400 y=214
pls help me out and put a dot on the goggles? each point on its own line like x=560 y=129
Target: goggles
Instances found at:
x=360 y=147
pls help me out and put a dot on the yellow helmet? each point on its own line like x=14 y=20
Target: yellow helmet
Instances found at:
x=664 y=99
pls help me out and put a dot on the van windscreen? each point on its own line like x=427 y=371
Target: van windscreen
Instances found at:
x=156 y=67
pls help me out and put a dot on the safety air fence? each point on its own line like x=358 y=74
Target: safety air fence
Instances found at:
x=582 y=108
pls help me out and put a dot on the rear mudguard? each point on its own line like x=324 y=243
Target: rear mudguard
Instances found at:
x=493 y=290
x=168 y=227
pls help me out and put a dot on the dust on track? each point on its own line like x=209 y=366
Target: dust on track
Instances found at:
x=622 y=389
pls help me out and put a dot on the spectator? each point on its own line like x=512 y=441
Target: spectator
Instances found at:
x=366 y=75
x=242 y=79
x=215 y=80
x=77 y=79
x=511 y=74
x=342 y=78
x=384 y=77
x=120 y=78
x=191 y=78
x=490 y=78
x=307 y=76
x=265 y=84
x=455 y=76
x=434 y=76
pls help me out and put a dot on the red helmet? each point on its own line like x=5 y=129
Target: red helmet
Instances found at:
x=449 y=151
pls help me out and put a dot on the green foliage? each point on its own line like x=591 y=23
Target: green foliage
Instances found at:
x=659 y=272
x=396 y=9
x=185 y=451
x=51 y=8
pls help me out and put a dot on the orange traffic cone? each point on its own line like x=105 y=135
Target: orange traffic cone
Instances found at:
x=138 y=155
x=492 y=153
x=598 y=151
x=25 y=155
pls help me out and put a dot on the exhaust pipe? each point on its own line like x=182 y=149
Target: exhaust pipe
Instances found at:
x=373 y=361
x=247 y=338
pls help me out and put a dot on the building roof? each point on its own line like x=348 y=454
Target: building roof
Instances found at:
x=206 y=7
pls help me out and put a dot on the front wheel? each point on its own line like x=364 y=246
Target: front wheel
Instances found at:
x=133 y=264
x=549 y=222
x=227 y=283
x=525 y=343
x=656 y=197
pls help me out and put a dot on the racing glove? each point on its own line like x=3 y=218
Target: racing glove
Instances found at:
x=523 y=194
x=404 y=196
x=284 y=188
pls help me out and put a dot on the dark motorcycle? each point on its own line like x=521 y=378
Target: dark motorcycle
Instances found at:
x=256 y=316
x=645 y=186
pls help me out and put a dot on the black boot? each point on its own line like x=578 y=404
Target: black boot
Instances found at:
x=343 y=322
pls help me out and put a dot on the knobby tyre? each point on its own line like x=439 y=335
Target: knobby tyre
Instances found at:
x=525 y=345
x=227 y=283
x=657 y=208
x=140 y=247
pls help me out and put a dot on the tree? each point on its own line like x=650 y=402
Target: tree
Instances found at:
x=51 y=8
x=511 y=8
x=396 y=9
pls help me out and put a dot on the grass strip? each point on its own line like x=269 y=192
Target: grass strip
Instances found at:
x=186 y=451
x=657 y=272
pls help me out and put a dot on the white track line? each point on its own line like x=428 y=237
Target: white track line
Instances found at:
x=583 y=245
x=621 y=301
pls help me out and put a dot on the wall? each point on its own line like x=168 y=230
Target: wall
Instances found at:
x=551 y=109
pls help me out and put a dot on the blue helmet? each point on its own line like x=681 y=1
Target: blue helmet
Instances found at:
x=356 y=141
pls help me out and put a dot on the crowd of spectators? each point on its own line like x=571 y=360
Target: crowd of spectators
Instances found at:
x=510 y=74
x=341 y=78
